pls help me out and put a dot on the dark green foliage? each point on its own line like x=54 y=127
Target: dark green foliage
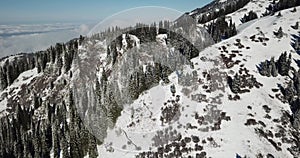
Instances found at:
x=284 y=64
x=68 y=58
x=268 y=68
x=11 y=69
x=279 y=33
x=274 y=71
x=242 y=82
x=296 y=80
x=251 y=16
x=81 y=39
x=22 y=135
x=264 y=69
x=291 y=94
x=271 y=68
x=93 y=153
x=114 y=109
x=235 y=83
x=296 y=43
x=220 y=29
x=173 y=89
x=229 y=8
x=57 y=55
x=282 y=4
x=279 y=14
x=148 y=33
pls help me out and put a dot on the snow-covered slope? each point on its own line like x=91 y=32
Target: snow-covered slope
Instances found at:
x=93 y=97
x=257 y=6
x=11 y=92
x=255 y=125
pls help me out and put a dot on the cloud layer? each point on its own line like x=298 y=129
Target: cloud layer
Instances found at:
x=16 y=39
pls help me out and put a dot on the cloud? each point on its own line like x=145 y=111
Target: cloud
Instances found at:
x=16 y=39
x=83 y=29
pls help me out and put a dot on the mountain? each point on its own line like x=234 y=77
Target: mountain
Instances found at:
x=227 y=86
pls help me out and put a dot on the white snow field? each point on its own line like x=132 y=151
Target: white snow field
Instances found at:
x=140 y=122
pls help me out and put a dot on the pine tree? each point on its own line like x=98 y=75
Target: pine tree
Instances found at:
x=296 y=119
x=296 y=26
x=279 y=33
x=296 y=80
x=149 y=76
x=235 y=84
x=264 y=69
x=81 y=39
x=132 y=87
x=251 y=16
x=3 y=78
x=289 y=92
x=274 y=70
x=65 y=147
x=55 y=140
x=297 y=45
x=75 y=143
x=279 y=14
x=93 y=153
x=283 y=64
x=173 y=89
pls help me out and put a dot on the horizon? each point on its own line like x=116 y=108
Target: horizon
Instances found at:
x=41 y=12
x=30 y=26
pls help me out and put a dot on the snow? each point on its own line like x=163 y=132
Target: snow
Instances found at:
x=254 y=56
x=234 y=137
x=161 y=38
x=9 y=59
x=24 y=79
x=257 y=6
x=3 y=105
x=222 y=1
x=124 y=42
x=136 y=40
x=100 y=44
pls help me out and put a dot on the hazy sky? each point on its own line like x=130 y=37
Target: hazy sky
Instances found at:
x=18 y=11
x=39 y=31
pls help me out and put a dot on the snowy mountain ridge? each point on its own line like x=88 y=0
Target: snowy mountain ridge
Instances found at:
x=258 y=115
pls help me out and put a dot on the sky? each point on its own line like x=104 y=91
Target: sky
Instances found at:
x=33 y=25
x=34 y=11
